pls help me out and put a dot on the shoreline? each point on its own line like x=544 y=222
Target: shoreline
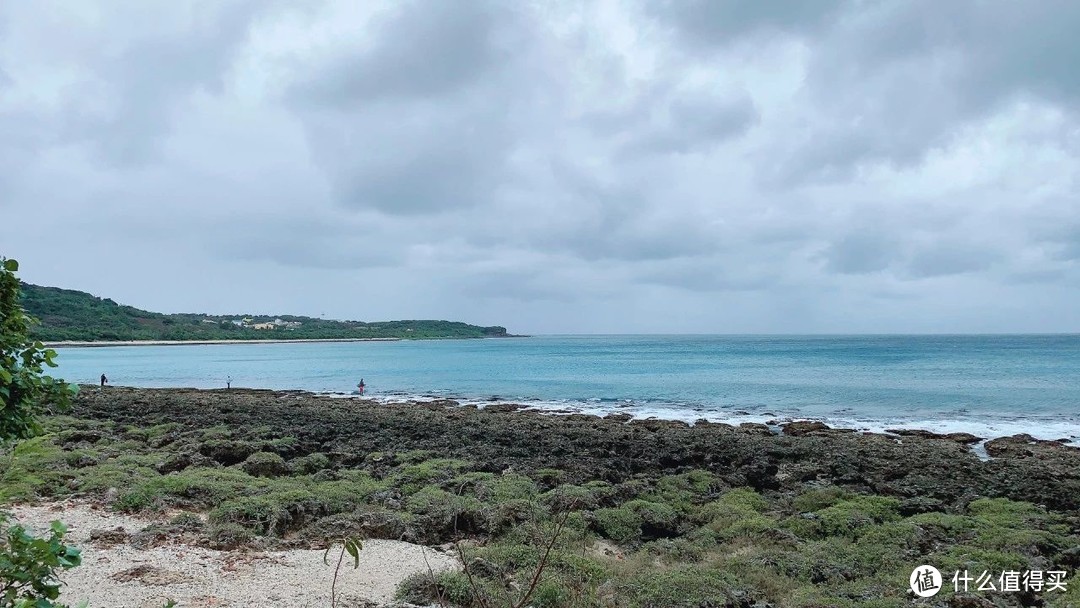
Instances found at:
x=973 y=436
x=982 y=428
x=108 y=343
x=614 y=446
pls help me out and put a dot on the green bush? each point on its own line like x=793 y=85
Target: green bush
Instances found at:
x=25 y=390
x=274 y=513
x=819 y=498
x=414 y=477
x=29 y=566
x=849 y=516
x=621 y=525
x=446 y=587
x=310 y=464
x=265 y=464
x=687 y=587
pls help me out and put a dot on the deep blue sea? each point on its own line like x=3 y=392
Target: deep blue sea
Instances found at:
x=988 y=385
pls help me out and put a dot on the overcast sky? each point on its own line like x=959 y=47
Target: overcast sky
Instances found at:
x=710 y=166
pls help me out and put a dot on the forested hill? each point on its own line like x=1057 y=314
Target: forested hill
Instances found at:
x=66 y=314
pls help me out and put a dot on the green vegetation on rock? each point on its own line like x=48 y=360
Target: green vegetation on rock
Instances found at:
x=655 y=541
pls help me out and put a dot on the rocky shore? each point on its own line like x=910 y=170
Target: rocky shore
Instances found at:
x=573 y=510
x=919 y=466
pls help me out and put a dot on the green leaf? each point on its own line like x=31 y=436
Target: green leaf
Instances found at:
x=11 y=265
x=353 y=550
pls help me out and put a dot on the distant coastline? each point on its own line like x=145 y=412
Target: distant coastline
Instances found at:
x=107 y=343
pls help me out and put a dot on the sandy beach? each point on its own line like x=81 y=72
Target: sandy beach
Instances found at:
x=116 y=573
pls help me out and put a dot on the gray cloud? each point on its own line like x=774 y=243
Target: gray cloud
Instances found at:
x=861 y=253
x=721 y=22
x=418 y=120
x=418 y=50
x=944 y=258
x=694 y=125
x=123 y=104
x=622 y=166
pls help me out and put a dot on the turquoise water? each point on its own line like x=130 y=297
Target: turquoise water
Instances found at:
x=990 y=385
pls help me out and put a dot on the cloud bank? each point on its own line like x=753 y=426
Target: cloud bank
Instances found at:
x=699 y=166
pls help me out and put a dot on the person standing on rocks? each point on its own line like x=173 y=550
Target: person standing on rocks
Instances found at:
x=104 y=380
x=360 y=387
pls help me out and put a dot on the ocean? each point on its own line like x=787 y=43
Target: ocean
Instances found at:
x=987 y=385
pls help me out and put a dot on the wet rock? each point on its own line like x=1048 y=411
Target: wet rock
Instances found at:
x=659 y=425
x=804 y=427
x=755 y=428
x=619 y=417
x=1024 y=445
x=965 y=438
x=495 y=408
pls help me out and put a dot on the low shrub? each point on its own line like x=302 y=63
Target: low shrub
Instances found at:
x=265 y=464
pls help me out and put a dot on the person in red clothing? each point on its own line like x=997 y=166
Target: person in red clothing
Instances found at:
x=360 y=386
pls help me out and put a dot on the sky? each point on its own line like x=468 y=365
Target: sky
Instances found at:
x=692 y=166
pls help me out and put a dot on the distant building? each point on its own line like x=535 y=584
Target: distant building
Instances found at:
x=209 y=321
x=237 y=322
x=262 y=326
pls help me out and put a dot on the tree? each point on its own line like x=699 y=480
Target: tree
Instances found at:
x=28 y=565
x=25 y=390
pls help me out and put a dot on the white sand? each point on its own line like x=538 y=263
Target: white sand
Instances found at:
x=197 y=577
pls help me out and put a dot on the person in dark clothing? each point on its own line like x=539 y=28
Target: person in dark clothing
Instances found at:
x=103 y=379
